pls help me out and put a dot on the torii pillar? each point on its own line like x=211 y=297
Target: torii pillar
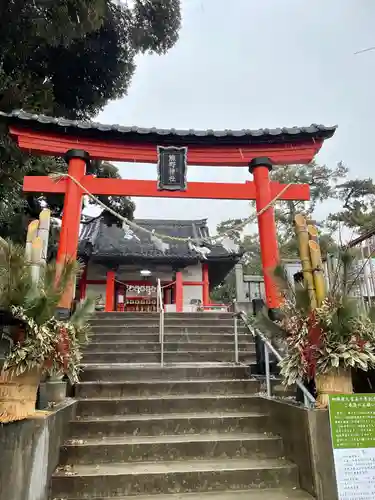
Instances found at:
x=71 y=219
x=260 y=168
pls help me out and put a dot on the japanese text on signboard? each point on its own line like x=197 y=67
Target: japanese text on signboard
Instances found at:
x=172 y=168
x=352 y=418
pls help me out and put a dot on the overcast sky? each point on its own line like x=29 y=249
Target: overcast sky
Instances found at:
x=251 y=64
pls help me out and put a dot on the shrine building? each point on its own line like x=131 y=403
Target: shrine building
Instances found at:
x=123 y=266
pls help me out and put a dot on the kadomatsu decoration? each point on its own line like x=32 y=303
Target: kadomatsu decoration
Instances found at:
x=32 y=340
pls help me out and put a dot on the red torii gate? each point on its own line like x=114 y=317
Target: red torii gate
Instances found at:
x=79 y=142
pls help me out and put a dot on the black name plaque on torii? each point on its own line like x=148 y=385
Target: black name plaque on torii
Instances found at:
x=172 y=168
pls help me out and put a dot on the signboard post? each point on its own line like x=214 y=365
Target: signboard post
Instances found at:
x=172 y=163
x=352 y=418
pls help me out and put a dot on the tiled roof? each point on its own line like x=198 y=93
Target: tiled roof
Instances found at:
x=276 y=135
x=100 y=242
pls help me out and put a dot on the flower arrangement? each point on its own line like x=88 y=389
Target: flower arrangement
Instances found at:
x=32 y=340
x=338 y=334
x=54 y=346
x=326 y=342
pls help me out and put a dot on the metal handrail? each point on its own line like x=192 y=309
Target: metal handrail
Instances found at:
x=236 y=350
x=160 y=309
x=309 y=400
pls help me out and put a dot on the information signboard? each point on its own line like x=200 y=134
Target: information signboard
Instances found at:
x=352 y=418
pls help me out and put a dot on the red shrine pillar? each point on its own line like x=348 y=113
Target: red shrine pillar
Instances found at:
x=110 y=292
x=260 y=168
x=179 y=295
x=83 y=284
x=71 y=219
x=206 y=285
x=121 y=291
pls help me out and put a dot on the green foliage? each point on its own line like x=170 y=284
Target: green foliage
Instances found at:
x=323 y=182
x=54 y=346
x=225 y=293
x=69 y=58
x=15 y=276
x=358 y=205
x=39 y=300
x=81 y=316
x=121 y=204
x=249 y=243
x=42 y=305
x=42 y=342
x=156 y=24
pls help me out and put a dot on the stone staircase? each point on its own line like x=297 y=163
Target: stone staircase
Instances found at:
x=192 y=429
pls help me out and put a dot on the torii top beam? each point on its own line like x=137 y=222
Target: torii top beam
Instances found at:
x=55 y=136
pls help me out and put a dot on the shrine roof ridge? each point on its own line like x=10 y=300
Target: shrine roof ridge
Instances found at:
x=277 y=135
x=171 y=222
x=100 y=240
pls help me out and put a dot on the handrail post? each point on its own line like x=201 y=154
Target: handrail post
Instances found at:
x=162 y=338
x=306 y=402
x=160 y=307
x=236 y=357
x=267 y=366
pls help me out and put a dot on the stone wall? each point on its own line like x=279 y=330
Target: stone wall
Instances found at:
x=29 y=452
x=307 y=443
x=322 y=455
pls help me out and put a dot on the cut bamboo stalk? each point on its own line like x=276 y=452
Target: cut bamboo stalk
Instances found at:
x=32 y=233
x=326 y=274
x=36 y=255
x=43 y=232
x=4 y=245
x=303 y=245
x=371 y=265
x=317 y=264
x=365 y=276
x=318 y=275
x=313 y=232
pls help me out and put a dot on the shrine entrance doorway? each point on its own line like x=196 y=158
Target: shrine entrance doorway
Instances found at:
x=173 y=150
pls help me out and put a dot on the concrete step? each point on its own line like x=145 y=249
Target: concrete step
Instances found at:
x=181 y=316
x=114 y=480
x=160 y=448
x=114 y=336
x=121 y=357
x=204 y=320
x=256 y=494
x=115 y=372
x=121 y=346
x=97 y=325
x=169 y=356
x=166 y=404
x=201 y=315
x=169 y=317
x=168 y=346
x=168 y=328
x=118 y=389
x=209 y=346
x=168 y=423
x=117 y=314
x=138 y=323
